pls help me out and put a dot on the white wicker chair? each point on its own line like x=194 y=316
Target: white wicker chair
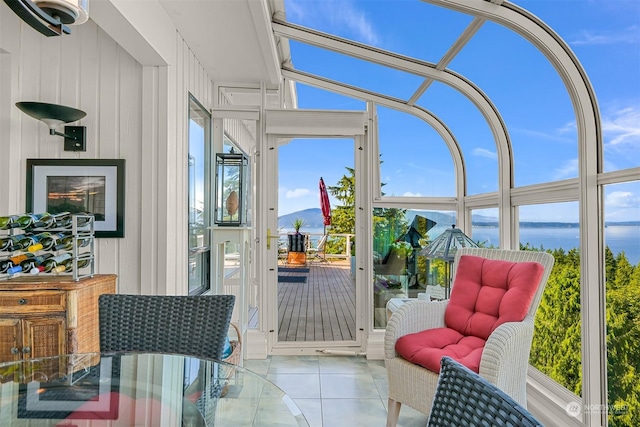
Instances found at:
x=505 y=357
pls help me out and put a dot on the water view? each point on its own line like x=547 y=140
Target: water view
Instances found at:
x=623 y=238
x=619 y=238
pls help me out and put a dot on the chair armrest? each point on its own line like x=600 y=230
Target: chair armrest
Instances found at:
x=411 y=317
x=505 y=358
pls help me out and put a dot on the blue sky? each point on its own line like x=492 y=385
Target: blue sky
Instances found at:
x=604 y=35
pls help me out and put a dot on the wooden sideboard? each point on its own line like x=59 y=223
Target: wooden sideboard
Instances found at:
x=42 y=317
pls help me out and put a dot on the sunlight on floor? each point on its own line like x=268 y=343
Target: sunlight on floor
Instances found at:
x=335 y=391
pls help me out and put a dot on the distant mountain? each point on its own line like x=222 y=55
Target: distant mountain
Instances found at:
x=312 y=219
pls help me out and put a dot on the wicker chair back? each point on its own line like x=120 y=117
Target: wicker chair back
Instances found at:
x=187 y=325
x=464 y=398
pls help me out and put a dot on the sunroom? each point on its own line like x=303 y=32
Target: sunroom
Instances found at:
x=482 y=113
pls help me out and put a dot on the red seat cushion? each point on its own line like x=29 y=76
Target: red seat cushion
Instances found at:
x=426 y=348
x=486 y=294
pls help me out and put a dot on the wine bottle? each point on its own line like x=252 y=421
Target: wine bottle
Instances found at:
x=14 y=270
x=47 y=241
x=62 y=220
x=5 y=264
x=36 y=261
x=44 y=220
x=67 y=265
x=8 y=222
x=67 y=243
x=16 y=241
x=18 y=259
x=26 y=221
x=24 y=241
x=36 y=241
x=52 y=263
x=31 y=242
x=6 y=244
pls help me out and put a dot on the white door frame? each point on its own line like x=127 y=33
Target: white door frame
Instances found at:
x=289 y=124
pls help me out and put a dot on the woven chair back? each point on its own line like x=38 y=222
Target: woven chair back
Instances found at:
x=187 y=325
x=464 y=398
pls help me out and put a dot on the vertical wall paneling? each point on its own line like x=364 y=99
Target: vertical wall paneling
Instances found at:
x=148 y=202
x=10 y=155
x=88 y=98
x=134 y=112
x=33 y=132
x=107 y=131
x=129 y=145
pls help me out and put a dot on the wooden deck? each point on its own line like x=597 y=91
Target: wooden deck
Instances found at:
x=320 y=309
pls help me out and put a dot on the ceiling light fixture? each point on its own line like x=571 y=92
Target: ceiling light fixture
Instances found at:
x=54 y=115
x=51 y=17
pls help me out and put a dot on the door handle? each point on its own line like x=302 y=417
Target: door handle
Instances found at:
x=269 y=237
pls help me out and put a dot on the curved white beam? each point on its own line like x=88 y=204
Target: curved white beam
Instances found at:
x=427 y=116
x=424 y=69
x=582 y=95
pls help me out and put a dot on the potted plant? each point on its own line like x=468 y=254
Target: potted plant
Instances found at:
x=297 y=244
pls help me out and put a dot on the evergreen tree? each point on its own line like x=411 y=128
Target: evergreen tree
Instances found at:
x=343 y=216
x=623 y=334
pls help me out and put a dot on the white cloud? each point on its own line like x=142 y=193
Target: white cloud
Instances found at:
x=410 y=194
x=298 y=192
x=556 y=137
x=622 y=127
x=482 y=152
x=629 y=35
x=621 y=199
x=569 y=169
x=334 y=16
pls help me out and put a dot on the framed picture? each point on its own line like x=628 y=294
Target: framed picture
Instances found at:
x=88 y=394
x=95 y=186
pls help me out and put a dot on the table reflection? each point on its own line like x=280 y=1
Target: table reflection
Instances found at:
x=124 y=389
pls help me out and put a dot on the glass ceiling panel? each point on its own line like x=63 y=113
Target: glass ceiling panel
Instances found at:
x=470 y=129
x=531 y=99
x=411 y=28
x=606 y=40
x=310 y=97
x=415 y=161
x=353 y=71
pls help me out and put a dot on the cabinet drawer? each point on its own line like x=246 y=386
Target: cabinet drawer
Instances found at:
x=25 y=302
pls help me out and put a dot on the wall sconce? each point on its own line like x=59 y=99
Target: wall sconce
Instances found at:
x=51 y=17
x=55 y=115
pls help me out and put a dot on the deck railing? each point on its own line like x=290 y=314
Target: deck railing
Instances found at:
x=334 y=240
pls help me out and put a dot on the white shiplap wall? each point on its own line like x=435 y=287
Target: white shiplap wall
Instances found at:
x=134 y=112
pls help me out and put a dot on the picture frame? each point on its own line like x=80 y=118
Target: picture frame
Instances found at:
x=95 y=186
x=89 y=393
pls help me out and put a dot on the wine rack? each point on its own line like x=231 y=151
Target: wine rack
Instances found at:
x=80 y=235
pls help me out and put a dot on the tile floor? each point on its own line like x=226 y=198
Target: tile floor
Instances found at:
x=335 y=391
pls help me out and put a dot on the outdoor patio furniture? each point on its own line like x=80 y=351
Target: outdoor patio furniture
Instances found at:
x=187 y=325
x=473 y=326
x=318 y=253
x=464 y=398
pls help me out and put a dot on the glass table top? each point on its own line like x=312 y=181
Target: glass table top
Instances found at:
x=125 y=389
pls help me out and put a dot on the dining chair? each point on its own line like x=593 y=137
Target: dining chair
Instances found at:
x=464 y=398
x=187 y=325
x=487 y=325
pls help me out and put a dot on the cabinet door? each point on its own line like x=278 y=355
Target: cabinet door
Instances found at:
x=10 y=339
x=44 y=336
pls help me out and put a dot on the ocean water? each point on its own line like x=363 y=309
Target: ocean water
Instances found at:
x=619 y=238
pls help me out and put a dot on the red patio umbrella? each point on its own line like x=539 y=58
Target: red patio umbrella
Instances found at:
x=325 y=205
